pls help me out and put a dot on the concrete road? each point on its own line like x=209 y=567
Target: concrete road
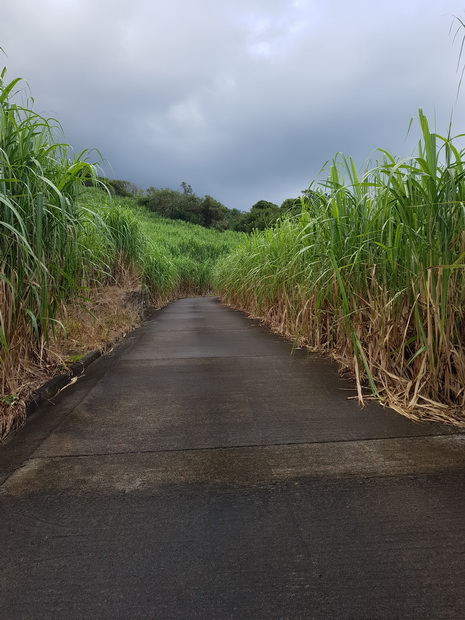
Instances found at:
x=202 y=471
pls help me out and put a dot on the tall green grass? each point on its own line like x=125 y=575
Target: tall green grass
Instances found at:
x=373 y=272
x=173 y=258
x=41 y=232
x=192 y=250
x=60 y=241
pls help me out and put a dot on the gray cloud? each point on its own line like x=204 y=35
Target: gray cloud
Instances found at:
x=243 y=99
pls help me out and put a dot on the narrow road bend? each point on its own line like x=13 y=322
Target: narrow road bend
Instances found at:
x=202 y=471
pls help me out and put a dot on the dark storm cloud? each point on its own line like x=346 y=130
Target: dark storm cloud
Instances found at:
x=244 y=100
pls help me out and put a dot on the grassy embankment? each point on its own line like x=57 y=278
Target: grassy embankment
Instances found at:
x=373 y=273
x=156 y=260
x=74 y=264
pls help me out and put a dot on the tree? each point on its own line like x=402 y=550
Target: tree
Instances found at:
x=234 y=219
x=173 y=204
x=185 y=205
x=291 y=206
x=213 y=213
x=166 y=202
x=262 y=214
x=187 y=189
x=116 y=187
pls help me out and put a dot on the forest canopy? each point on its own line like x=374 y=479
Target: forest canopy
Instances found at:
x=205 y=211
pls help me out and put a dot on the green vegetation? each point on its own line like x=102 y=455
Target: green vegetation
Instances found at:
x=367 y=267
x=41 y=234
x=174 y=258
x=117 y=187
x=61 y=245
x=206 y=211
x=372 y=271
x=264 y=214
x=188 y=207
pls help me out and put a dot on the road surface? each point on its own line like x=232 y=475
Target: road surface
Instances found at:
x=202 y=471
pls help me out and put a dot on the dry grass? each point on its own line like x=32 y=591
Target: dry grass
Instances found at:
x=109 y=313
x=393 y=391
x=113 y=312
x=12 y=416
x=372 y=272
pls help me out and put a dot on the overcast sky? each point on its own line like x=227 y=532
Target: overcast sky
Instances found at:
x=242 y=99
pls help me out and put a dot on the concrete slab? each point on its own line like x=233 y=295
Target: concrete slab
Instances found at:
x=216 y=402
x=202 y=471
x=308 y=548
x=154 y=471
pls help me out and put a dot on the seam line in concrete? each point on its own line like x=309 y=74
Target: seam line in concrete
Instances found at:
x=240 y=447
